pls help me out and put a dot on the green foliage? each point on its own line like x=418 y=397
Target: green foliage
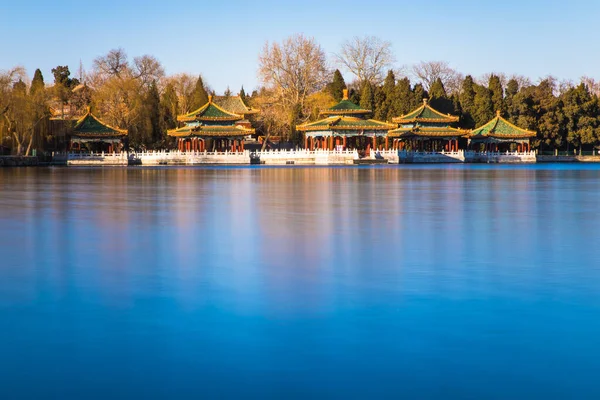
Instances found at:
x=243 y=94
x=367 y=97
x=483 y=108
x=336 y=86
x=62 y=77
x=200 y=95
x=169 y=106
x=439 y=99
x=496 y=91
x=37 y=84
x=401 y=100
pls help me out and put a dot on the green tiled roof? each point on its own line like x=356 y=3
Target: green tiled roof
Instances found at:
x=345 y=107
x=425 y=113
x=89 y=125
x=209 y=112
x=211 y=131
x=344 y=123
x=501 y=129
x=426 y=131
x=234 y=104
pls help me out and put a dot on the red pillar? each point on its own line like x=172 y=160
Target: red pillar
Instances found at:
x=344 y=142
x=241 y=145
x=387 y=143
x=374 y=142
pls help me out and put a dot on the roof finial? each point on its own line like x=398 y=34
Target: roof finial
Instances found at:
x=498 y=113
x=88 y=110
x=424 y=101
x=345 y=94
x=210 y=98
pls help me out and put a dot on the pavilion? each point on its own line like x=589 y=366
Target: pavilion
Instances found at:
x=426 y=129
x=345 y=126
x=501 y=135
x=93 y=134
x=212 y=128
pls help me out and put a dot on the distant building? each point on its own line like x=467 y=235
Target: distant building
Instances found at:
x=211 y=128
x=500 y=135
x=426 y=129
x=91 y=134
x=345 y=126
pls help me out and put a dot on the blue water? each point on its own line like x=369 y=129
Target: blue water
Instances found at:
x=416 y=282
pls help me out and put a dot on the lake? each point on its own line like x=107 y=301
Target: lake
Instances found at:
x=464 y=281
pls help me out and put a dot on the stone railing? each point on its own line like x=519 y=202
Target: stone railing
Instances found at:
x=501 y=157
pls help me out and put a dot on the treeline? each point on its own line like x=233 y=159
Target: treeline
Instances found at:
x=296 y=84
x=564 y=116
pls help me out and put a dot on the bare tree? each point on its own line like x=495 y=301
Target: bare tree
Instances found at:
x=592 y=84
x=428 y=72
x=147 y=69
x=114 y=63
x=368 y=58
x=295 y=68
x=184 y=85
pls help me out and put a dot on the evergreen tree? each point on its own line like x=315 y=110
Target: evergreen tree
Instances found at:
x=37 y=84
x=200 y=96
x=243 y=95
x=337 y=85
x=512 y=88
x=20 y=88
x=483 y=106
x=418 y=94
x=497 y=93
x=354 y=96
x=439 y=99
x=581 y=112
x=467 y=102
x=551 y=123
x=227 y=92
x=401 y=101
x=367 y=98
x=169 y=104
x=384 y=97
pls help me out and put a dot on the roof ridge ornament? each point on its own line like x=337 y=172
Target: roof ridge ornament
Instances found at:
x=498 y=113
x=345 y=94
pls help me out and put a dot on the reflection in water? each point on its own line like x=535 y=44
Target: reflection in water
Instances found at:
x=453 y=281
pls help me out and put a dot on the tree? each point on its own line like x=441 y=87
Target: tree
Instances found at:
x=227 y=92
x=291 y=71
x=147 y=69
x=483 y=109
x=200 y=95
x=367 y=98
x=367 y=58
x=581 y=112
x=170 y=106
x=439 y=99
x=243 y=94
x=114 y=63
x=337 y=85
x=467 y=102
x=418 y=94
x=430 y=71
x=401 y=99
x=37 y=83
x=497 y=93
x=21 y=113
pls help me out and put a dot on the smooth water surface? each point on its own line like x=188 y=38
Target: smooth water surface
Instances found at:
x=356 y=282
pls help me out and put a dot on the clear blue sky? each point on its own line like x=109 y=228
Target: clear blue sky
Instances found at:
x=222 y=39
